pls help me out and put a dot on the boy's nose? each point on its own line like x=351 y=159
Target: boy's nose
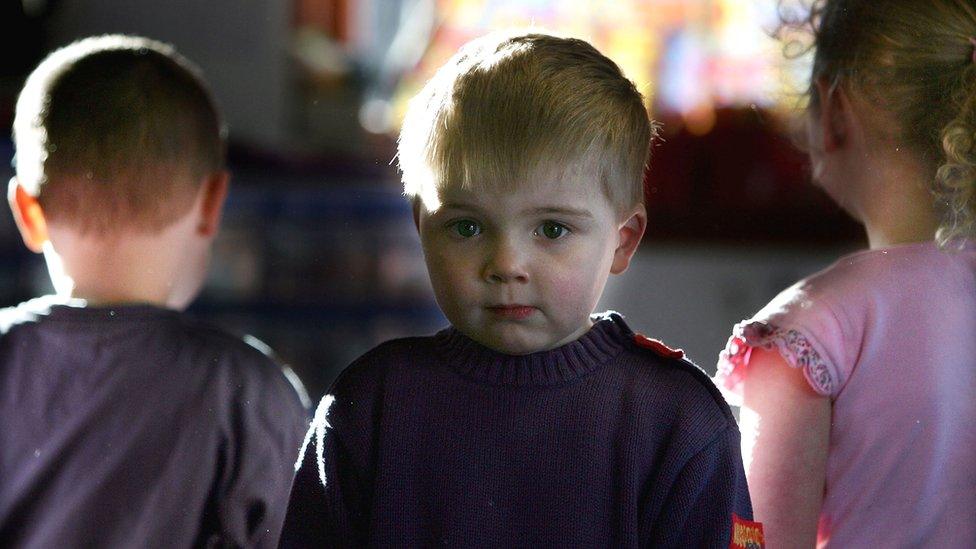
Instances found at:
x=504 y=265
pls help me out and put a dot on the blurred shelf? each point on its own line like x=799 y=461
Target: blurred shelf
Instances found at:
x=314 y=200
x=320 y=312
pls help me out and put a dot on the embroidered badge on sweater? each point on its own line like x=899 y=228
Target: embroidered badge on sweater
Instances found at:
x=746 y=534
x=658 y=347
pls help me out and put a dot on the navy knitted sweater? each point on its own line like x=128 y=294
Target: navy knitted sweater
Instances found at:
x=440 y=441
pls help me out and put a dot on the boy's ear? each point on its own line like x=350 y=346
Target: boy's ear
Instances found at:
x=630 y=233
x=29 y=216
x=835 y=113
x=214 y=191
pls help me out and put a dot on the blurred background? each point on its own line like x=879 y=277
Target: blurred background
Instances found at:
x=318 y=256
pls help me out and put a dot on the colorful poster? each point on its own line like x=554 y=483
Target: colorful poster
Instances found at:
x=688 y=57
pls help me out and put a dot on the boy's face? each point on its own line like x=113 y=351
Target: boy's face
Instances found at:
x=520 y=271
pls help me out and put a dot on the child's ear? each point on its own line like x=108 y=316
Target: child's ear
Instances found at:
x=630 y=233
x=214 y=194
x=835 y=113
x=29 y=216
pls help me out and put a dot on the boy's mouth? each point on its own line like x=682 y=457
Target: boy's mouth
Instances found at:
x=512 y=312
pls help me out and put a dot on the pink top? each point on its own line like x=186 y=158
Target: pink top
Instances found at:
x=890 y=336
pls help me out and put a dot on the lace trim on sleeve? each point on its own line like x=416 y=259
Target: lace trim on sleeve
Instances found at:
x=791 y=344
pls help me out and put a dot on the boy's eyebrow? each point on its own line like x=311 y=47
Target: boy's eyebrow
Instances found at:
x=457 y=206
x=542 y=210
x=561 y=210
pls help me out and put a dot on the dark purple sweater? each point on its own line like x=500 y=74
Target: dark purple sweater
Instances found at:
x=441 y=441
x=135 y=426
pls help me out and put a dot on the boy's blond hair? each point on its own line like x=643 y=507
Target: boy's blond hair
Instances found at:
x=509 y=107
x=116 y=131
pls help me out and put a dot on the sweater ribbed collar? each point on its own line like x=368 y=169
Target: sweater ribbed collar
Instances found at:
x=597 y=347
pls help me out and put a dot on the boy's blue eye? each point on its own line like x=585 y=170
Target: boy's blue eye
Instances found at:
x=467 y=228
x=552 y=230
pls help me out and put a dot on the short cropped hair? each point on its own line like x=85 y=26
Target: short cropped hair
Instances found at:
x=511 y=106
x=116 y=131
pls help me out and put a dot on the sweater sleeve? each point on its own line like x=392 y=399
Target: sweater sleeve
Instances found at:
x=707 y=491
x=326 y=507
x=267 y=422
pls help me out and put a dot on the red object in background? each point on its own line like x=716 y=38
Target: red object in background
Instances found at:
x=744 y=180
x=330 y=16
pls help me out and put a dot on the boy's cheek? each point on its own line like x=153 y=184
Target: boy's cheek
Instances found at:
x=581 y=280
x=450 y=277
x=573 y=291
x=441 y=262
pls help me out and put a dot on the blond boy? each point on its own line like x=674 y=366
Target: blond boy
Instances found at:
x=528 y=422
x=123 y=423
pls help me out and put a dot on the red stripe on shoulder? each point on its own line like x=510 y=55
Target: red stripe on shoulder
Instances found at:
x=657 y=346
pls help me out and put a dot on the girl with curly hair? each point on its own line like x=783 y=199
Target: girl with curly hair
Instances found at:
x=858 y=384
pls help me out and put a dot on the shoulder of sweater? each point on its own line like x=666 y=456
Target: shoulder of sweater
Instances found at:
x=260 y=380
x=693 y=383
x=250 y=360
x=689 y=383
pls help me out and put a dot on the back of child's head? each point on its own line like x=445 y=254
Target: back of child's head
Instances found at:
x=916 y=59
x=116 y=132
x=512 y=107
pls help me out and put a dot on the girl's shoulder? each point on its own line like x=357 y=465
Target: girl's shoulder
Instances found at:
x=925 y=259
x=871 y=276
x=819 y=324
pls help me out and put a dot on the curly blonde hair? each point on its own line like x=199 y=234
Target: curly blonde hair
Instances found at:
x=917 y=60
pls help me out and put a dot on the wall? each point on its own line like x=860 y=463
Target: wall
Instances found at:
x=689 y=296
x=241 y=45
